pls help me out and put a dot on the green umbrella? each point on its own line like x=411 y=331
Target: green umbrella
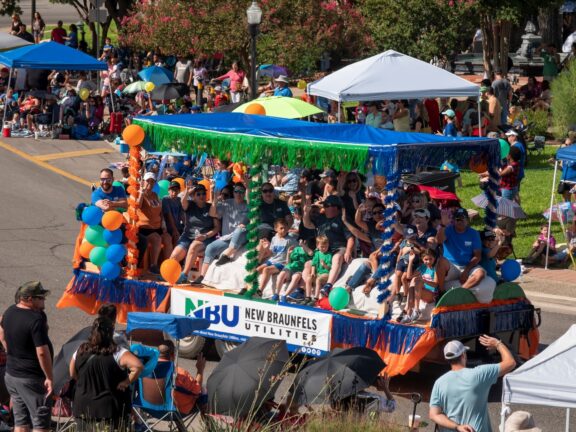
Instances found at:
x=135 y=87
x=284 y=107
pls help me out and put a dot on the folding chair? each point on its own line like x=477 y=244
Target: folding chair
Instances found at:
x=153 y=401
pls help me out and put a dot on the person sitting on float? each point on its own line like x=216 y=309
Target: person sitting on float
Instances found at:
x=463 y=250
x=107 y=196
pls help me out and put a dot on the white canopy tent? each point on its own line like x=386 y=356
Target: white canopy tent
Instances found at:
x=391 y=75
x=549 y=379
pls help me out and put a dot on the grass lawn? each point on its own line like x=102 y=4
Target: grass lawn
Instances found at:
x=534 y=196
x=112 y=33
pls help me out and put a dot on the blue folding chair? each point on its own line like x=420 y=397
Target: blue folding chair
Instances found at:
x=153 y=396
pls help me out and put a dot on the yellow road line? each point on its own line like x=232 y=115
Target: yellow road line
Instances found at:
x=72 y=154
x=44 y=164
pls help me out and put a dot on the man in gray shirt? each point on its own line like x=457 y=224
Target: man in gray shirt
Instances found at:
x=503 y=92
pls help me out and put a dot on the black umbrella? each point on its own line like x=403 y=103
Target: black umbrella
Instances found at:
x=169 y=91
x=42 y=94
x=227 y=107
x=246 y=376
x=61 y=370
x=343 y=373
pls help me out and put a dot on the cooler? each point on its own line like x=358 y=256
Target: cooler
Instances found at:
x=442 y=180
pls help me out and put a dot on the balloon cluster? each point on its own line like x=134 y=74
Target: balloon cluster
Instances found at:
x=102 y=243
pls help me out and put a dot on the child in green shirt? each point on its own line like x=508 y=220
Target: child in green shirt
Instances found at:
x=319 y=270
x=292 y=272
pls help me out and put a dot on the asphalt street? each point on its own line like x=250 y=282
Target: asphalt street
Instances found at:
x=50 y=12
x=38 y=229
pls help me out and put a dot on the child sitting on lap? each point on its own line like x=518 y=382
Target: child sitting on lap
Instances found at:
x=423 y=284
x=292 y=272
x=280 y=247
x=319 y=270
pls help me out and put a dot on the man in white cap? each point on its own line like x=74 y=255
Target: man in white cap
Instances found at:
x=512 y=137
x=459 y=399
x=282 y=88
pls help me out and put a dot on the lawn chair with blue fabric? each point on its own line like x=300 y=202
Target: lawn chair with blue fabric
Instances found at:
x=153 y=400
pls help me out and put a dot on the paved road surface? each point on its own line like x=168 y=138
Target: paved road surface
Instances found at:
x=50 y=12
x=38 y=228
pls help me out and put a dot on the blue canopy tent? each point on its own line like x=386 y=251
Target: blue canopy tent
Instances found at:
x=566 y=155
x=260 y=140
x=49 y=55
x=178 y=327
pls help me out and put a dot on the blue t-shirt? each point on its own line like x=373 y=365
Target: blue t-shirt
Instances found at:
x=459 y=247
x=489 y=264
x=428 y=275
x=286 y=92
x=116 y=194
x=221 y=179
x=450 y=130
x=463 y=395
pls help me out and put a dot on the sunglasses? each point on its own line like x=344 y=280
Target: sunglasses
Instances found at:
x=267 y=190
x=39 y=297
x=329 y=205
x=378 y=213
x=239 y=191
x=459 y=219
x=200 y=194
x=104 y=180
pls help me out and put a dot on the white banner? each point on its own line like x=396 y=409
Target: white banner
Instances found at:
x=236 y=319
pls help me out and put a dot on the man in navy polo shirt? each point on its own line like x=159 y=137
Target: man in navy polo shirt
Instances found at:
x=107 y=196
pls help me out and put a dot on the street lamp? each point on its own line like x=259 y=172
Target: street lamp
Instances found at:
x=254 y=15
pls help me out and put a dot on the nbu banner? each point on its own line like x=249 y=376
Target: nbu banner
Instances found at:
x=235 y=319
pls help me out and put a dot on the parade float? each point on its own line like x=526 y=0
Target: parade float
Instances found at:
x=259 y=141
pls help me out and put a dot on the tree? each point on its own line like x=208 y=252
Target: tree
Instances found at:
x=420 y=28
x=564 y=101
x=293 y=32
x=9 y=7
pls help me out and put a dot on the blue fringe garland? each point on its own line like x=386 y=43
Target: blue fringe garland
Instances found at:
x=490 y=192
x=119 y=291
x=381 y=334
x=472 y=322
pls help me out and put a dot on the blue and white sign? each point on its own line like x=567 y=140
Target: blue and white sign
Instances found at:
x=236 y=319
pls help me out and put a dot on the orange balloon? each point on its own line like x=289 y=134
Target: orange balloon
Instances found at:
x=85 y=249
x=181 y=182
x=255 y=108
x=171 y=270
x=208 y=186
x=112 y=220
x=133 y=135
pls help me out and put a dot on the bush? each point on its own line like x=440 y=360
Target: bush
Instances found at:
x=564 y=101
x=538 y=121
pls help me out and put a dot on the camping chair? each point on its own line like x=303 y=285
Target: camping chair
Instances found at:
x=537 y=146
x=153 y=401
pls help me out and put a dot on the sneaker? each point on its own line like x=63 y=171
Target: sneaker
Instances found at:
x=154 y=269
x=283 y=299
x=183 y=279
x=312 y=301
x=406 y=319
x=197 y=281
x=306 y=300
x=259 y=293
x=275 y=298
x=325 y=290
x=224 y=259
x=297 y=295
x=243 y=291
x=401 y=316
x=416 y=315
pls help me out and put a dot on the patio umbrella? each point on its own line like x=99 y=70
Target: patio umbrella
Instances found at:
x=284 y=107
x=343 y=373
x=8 y=42
x=61 y=368
x=506 y=207
x=156 y=74
x=244 y=378
x=272 y=70
x=135 y=87
x=169 y=91
x=227 y=107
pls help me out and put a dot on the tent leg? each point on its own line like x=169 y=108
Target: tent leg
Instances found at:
x=550 y=214
x=567 y=419
x=6 y=101
x=479 y=116
x=339 y=120
x=111 y=95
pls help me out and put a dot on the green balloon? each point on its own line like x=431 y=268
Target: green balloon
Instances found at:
x=164 y=184
x=98 y=256
x=504 y=148
x=339 y=298
x=162 y=193
x=118 y=183
x=95 y=235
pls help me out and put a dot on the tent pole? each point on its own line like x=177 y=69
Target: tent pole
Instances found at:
x=550 y=214
x=479 y=116
x=111 y=94
x=339 y=120
x=6 y=101
x=567 y=419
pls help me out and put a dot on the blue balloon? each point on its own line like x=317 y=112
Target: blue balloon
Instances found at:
x=113 y=237
x=110 y=270
x=92 y=215
x=115 y=253
x=510 y=269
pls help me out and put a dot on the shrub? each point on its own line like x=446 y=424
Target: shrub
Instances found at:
x=564 y=101
x=538 y=121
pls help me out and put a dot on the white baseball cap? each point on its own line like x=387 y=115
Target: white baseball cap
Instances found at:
x=149 y=175
x=454 y=349
x=511 y=132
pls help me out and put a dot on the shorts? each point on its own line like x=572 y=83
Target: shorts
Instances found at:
x=340 y=250
x=279 y=266
x=147 y=231
x=402 y=264
x=185 y=242
x=291 y=272
x=29 y=402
